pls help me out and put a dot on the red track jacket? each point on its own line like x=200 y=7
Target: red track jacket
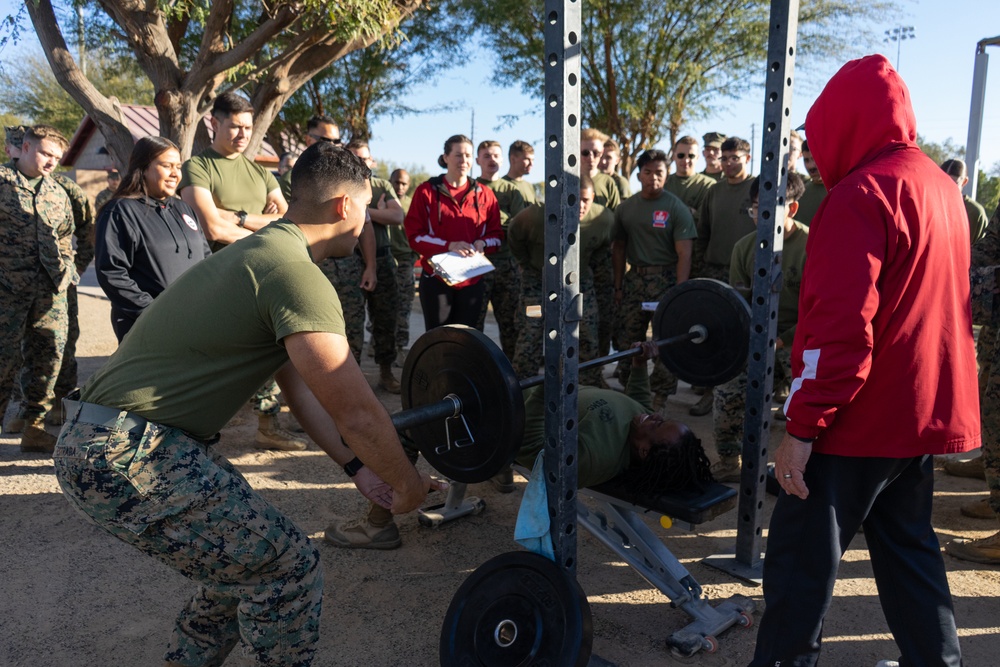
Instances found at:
x=883 y=360
x=436 y=219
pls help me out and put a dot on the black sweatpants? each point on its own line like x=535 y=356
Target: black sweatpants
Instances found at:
x=446 y=305
x=892 y=499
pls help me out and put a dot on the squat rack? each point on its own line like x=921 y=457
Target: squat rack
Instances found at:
x=562 y=308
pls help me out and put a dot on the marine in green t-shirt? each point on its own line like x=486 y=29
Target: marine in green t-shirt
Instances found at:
x=521 y=157
x=811 y=199
x=793 y=260
x=977 y=219
x=689 y=186
x=257 y=307
x=723 y=219
x=617 y=432
x=232 y=195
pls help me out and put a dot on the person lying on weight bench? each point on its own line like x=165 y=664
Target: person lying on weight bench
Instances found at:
x=619 y=434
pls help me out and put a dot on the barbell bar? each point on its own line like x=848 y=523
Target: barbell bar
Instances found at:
x=460 y=390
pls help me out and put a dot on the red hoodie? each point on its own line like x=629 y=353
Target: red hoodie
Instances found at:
x=883 y=359
x=440 y=214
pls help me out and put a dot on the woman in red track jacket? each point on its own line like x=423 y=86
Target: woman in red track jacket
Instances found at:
x=884 y=378
x=452 y=212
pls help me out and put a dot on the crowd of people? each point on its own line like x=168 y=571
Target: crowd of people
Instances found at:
x=298 y=263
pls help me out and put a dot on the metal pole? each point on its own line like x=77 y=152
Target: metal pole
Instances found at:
x=747 y=562
x=976 y=119
x=562 y=304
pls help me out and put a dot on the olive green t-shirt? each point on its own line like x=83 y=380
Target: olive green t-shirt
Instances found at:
x=526 y=238
x=382 y=187
x=977 y=219
x=511 y=202
x=793 y=259
x=605 y=417
x=650 y=227
x=401 y=249
x=723 y=220
x=285 y=183
x=527 y=190
x=606 y=192
x=717 y=176
x=809 y=202
x=212 y=338
x=624 y=189
x=691 y=190
x=237 y=184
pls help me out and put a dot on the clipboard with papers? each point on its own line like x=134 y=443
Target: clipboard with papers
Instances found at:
x=453 y=268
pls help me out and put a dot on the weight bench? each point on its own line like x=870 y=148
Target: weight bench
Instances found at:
x=616 y=522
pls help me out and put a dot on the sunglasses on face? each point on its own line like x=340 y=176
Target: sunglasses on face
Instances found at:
x=335 y=142
x=685 y=156
x=590 y=153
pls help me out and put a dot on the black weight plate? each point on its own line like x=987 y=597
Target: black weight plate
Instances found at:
x=726 y=317
x=515 y=610
x=463 y=361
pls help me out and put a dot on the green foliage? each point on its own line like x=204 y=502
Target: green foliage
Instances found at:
x=988 y=190
x=28 y=89
x=651 y=66
x=369 y=84
x=939 y=152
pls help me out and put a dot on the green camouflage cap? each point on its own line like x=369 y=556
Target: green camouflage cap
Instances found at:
x=15 y=135
x=713 y=139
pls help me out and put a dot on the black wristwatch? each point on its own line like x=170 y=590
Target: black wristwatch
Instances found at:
x=353 y=467
x=242 y=215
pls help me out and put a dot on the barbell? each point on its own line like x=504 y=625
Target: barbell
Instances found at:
x=464 y=406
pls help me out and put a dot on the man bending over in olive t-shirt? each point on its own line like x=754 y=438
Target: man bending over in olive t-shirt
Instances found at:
x=133 y=457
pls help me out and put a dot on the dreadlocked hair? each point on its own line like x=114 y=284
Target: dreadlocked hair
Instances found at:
x=670 y=466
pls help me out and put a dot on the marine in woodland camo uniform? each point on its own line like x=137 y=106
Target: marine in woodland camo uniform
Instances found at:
x=36 y=269
x=503 y=284
x=383 y=301
x=985 y=263
x=647 y=230
x=406 y=284
x=526 y=238
x=606 y=194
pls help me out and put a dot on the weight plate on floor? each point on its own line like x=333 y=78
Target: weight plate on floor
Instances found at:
x=463 y=361
x=726 y=318
x=517 y=609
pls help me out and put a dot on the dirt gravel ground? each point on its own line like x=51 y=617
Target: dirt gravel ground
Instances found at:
x=72 y=595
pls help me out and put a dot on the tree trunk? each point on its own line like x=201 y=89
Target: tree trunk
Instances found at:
x=105 y=112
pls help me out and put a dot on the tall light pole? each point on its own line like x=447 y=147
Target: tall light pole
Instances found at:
x=898 y=34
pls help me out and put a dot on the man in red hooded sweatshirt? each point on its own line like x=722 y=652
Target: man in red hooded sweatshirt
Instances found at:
x=884 y=378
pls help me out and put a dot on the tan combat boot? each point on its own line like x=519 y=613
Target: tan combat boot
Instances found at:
x=375 y=530
x=986 y=550
x=55 y=416
x=386 y=379
x=270 y=435
x=36 y=439
x=978 y=509
x=727 y=469
x=972 y=468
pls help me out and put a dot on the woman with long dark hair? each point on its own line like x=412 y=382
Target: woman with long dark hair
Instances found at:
x=146 y=237
x=452 y=212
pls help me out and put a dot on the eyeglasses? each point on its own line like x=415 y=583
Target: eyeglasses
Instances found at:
x=685 y=156
x=335 y=142
x=591 y=153
x=733 y=158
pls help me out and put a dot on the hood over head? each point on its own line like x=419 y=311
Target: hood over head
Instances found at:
x=862 y=110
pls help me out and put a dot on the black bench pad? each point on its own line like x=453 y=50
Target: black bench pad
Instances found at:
x=694 y=507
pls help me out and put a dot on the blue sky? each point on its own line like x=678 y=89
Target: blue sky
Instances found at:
x=936 y=65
